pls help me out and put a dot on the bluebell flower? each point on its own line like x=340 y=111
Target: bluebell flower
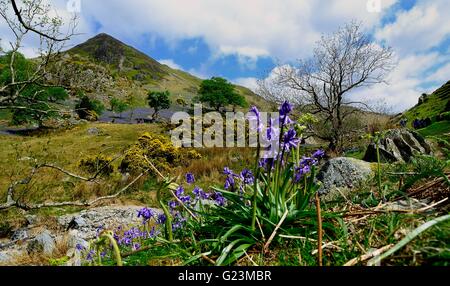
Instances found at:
x=179 y=192
x=146 y=214
x=229 y=183
x=319 y=154
x=190 y=179
x=79 y=247
x=227 y=171
x=255 y=117
x=308 y=161
x=136 y=246
x=219 y=199
x=285 y=108
x=247 y=177
x=290 y=139
x=300 y=172
x=161 y=219
x=173 y=204
x=90 y=255
x=273 y=132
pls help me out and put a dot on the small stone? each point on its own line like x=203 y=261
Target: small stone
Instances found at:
x=31 y=219
x=20 y=234
x=76 y=223
x=94 y=131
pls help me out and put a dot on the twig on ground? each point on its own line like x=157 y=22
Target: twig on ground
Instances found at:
x=368 y=255
x=205 y=257
x=266 y=246
x=319 y=230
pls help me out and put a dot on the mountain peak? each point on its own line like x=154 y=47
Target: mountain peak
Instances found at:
x=106 y=49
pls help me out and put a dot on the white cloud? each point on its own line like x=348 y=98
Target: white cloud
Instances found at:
x=425 y=26
x=170 y=63
x=405 y=82
x=252 y=28
x=248 y=82
x=440 y=75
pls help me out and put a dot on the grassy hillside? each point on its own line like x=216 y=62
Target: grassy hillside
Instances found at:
x=433 y=105
x=133 y=72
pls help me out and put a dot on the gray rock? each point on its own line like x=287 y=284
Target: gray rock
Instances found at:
x=20 y=234
x=398 y=145
x=94 y=131
x=5 y=257
x=77 y=223
x=97 y=219
x=43 y=243
x=31 y=219
x=74 y=239
x=342 y=174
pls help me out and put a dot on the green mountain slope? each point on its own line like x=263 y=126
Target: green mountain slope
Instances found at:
x=431 y=105
x=127 y=71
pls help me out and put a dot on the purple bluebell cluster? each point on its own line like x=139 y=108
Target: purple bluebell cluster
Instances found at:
x=285 y=110
x=219 y=199
x=247 y=177
x=230 y=183
x=146 y=214
x=190 y=179
x=306 y=163
x=290 y=140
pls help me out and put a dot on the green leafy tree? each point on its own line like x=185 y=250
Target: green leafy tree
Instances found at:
x=31 y=103
x=118 y=106
x=158 y=100
x=88 y=108
x=219 y=93
x=40 y=108
x=25 y=84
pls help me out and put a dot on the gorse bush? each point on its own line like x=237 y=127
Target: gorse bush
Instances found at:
x=98 y=164
x=157 y=149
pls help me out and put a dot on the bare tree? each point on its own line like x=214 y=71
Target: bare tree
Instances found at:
x=342 y=62
x=31 y=17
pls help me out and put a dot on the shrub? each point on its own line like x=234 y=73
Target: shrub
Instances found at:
x=157 y=149
x=97 y=164
x=89 y=109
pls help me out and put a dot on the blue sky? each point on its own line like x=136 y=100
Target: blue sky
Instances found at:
x=245 y=40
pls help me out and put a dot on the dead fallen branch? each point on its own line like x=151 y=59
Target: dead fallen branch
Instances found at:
x=379 y=210
x=27 y=207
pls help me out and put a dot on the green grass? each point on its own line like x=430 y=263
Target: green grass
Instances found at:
x=436 y=129
x=64 y=149
x=434 y=105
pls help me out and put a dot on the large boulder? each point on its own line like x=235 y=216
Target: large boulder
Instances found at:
x=340 y=175
x=398 y=145
x=42 y=243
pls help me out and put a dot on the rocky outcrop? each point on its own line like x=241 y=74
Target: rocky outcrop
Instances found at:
x=71 y=230
x=89 y=222
x=342 y=174
x=398 y=145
